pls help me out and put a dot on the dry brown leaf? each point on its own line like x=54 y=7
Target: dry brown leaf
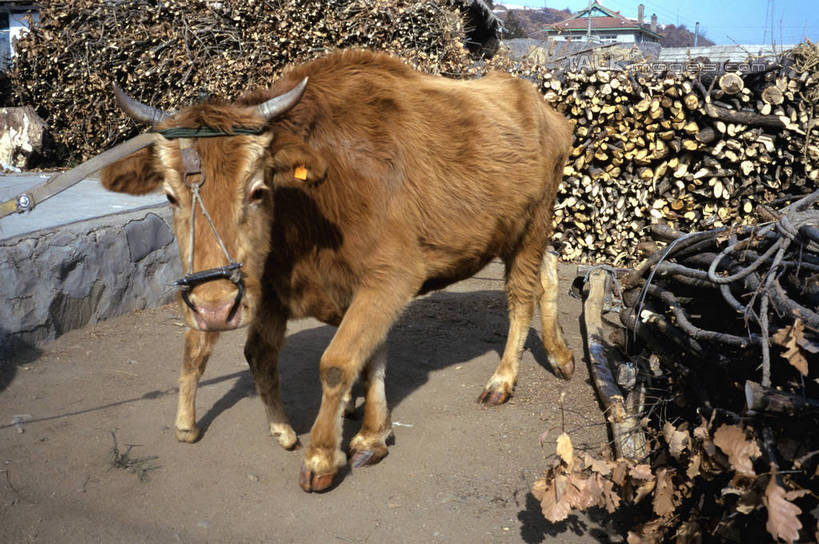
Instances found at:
x=694 y=466
x=539 y=488
x=740 y=451
x=611 y=500
x=678 y=441
x=789 y=338
x=663 y=502
x=641 y=472
x=555 y=503
x=618 y=473
x=796 y=494
x=596 y=465
x=565 y=449
x=688 y=532
x=648 y=533
x=588 y=492
x=644 y=490
x=701 y=432
x=783 y=521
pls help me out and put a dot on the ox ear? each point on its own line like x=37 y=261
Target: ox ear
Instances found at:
x=135 y=174
x=296 y=164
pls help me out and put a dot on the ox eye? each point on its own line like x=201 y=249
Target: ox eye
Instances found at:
x=257 y=193
x=171 y=199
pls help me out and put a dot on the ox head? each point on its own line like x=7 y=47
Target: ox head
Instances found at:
x=218 y=166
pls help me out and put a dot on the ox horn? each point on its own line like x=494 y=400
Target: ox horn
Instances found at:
x=281 y=104
x=138 y=110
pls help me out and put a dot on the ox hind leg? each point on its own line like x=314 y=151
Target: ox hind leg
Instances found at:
x=370 y=444
x=198 y=347
x=531 y=276
x=559 y=354
x=264 y=340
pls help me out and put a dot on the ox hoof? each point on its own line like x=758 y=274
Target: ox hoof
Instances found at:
x=366 y=457
x=564 y=370
x=493 y=398
x=370 y=448
x=286 y=436
x=315 y=482
x=188 y=435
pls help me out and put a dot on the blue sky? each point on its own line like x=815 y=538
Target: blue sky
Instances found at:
x=722 y=21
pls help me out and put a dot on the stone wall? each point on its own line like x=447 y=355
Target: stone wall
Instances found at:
x=60 y=279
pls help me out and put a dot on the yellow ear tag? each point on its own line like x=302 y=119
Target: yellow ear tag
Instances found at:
x=300 y=172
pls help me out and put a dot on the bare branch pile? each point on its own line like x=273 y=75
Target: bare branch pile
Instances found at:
x=166 y=53
x=722 y=329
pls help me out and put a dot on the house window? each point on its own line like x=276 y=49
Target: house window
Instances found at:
x=607 y=38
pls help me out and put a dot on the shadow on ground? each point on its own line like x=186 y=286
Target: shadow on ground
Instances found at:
x=14 y=352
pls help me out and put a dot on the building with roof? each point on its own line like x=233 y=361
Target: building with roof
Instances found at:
x=602 y=25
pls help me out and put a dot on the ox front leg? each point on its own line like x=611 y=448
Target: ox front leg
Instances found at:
x=370 y=444
x=362 y=331
x=198 y=347
x=262 y=353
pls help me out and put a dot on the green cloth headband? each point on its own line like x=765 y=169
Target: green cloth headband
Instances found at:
x=204 y=132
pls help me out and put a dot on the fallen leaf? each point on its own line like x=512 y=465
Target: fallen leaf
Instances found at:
x=740 y=451
x=539 y=488
x=694 y=466
x=555 y=504
x=644 y=490
x=783 y=522
x=788 y=337
x=678 y=441
x=618 y=473
x=663 y=502
x=688 y=531
x=596 y=465
x=588 y=493
x=641 y=472
x=611 y=500
x=565 y=449
x=701 y=432
x=796 y=494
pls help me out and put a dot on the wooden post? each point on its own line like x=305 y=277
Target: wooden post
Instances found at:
x=629 y=440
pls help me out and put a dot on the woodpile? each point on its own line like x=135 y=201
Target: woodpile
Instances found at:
x=168 y=53
x=693 y=150
x=717 y=360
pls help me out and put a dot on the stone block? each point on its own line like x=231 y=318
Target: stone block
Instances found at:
x=22 y=134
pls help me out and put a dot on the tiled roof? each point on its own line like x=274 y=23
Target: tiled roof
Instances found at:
x=582 y=23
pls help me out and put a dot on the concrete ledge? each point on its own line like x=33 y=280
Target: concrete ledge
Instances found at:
x=59 y=279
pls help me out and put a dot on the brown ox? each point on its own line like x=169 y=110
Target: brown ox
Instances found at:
x=378 y=184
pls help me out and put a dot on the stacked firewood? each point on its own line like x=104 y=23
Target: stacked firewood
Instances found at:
x=169 y=53
x=693 y=150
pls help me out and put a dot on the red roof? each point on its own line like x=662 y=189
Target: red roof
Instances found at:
x=602 y=18
x=582 y=23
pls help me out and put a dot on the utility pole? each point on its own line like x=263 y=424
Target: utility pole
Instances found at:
x=696 y=33
x=588 y=16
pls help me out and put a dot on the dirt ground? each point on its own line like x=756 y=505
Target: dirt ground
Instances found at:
x=457 y=471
